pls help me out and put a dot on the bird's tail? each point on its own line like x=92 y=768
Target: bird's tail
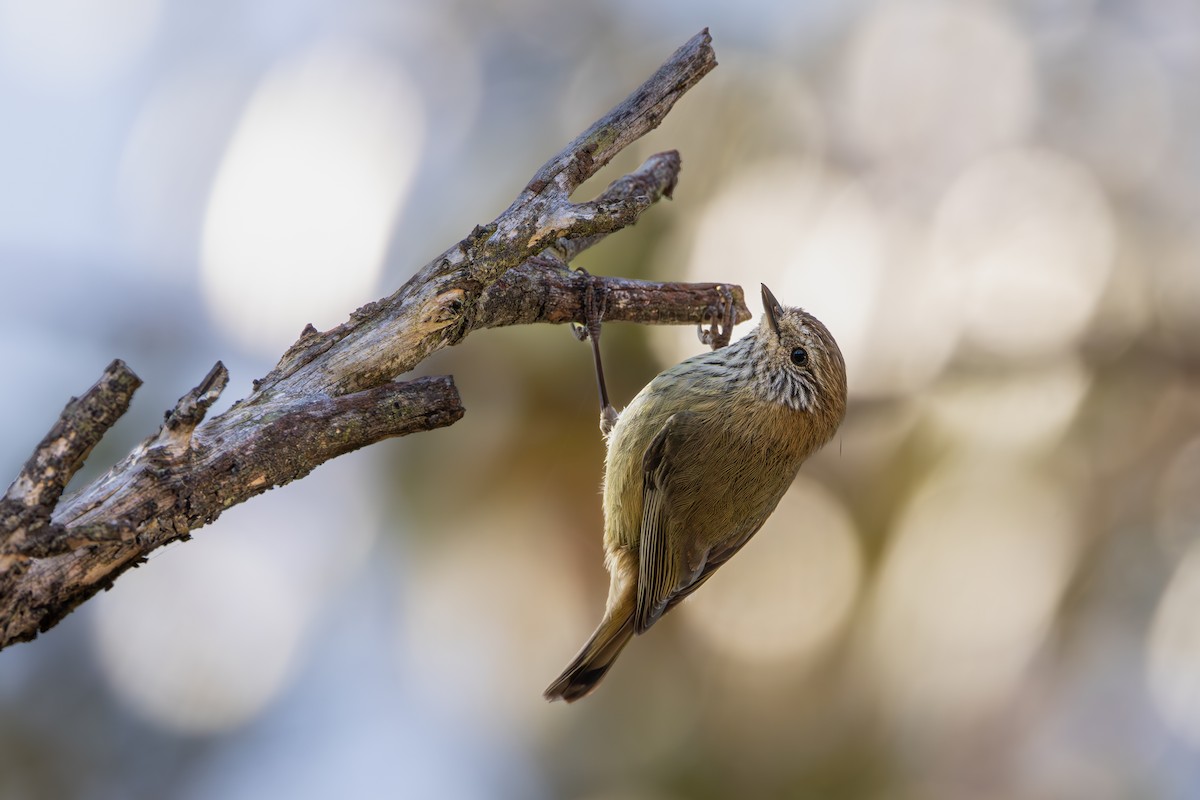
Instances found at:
x=594 y=660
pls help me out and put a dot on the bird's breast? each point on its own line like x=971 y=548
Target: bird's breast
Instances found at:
x=730 y=465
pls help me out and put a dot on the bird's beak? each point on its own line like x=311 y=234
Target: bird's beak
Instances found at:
x=772 y=308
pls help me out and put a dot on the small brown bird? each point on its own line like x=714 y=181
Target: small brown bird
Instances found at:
x=697 y=463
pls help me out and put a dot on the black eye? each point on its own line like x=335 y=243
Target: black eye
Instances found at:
x=799 y=356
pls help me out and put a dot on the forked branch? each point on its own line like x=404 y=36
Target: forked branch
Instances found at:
x=336 y=391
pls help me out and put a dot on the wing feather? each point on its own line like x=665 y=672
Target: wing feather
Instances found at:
x=659 y=563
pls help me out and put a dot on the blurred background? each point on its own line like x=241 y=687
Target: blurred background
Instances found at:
x=987 y=586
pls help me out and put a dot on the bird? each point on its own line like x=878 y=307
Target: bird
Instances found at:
x=697 y=462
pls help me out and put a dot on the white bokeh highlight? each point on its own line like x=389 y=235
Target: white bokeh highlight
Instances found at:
x=978 y=562
x=937 y=82
x=303 y=204
x=206 y=635
x=1030 y=235
x=202 y=638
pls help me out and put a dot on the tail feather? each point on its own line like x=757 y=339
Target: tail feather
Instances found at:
x=594 y=660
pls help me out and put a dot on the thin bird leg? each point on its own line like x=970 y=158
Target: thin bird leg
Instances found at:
x=722 y=321
x=593 y=313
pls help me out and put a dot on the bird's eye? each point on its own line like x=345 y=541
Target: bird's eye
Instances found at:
x=799 y=356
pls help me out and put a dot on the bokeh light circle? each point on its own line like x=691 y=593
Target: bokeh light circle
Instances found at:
x=167 y=163
x=304 y=201
x=1018 y=411
x=971 y=581
x=938 y=81
x=1031 y=237
x=790 y=590
x=476 y=618
x=203 y=637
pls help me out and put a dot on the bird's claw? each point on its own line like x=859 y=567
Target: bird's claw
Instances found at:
x=608 y=420
x=593 y=309
x=720 y=319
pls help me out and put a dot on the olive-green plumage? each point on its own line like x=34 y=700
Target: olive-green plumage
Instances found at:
x=697 y=462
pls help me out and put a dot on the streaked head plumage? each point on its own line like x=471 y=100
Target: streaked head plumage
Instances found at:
x=798 y=360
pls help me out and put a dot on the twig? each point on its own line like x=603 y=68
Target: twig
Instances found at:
x=544 y=289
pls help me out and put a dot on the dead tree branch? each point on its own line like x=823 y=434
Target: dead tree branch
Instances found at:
x=336 y=391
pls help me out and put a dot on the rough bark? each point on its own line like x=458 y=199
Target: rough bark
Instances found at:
x=336 y=391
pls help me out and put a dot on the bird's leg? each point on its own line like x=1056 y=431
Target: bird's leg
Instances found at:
x=721 y=327
x=594 y=298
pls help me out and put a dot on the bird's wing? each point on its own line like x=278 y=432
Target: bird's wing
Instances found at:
x=659 y=564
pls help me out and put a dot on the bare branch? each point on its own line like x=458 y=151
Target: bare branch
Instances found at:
x=390 y=337
x=639 y=114
x=62 y=452
x=159 y=494
x=336 y=391
x=27 y=506
x=543 y=289
x=191 y=408
x=655 y=179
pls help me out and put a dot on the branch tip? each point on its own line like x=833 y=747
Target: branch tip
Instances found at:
x=80 y=426
x=191 y=408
